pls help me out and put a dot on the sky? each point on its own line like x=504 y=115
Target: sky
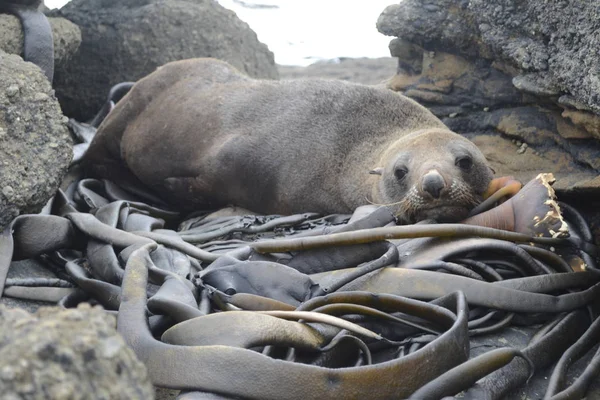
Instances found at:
x=300 y=32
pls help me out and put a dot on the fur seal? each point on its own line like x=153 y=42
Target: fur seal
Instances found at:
x=202 y=134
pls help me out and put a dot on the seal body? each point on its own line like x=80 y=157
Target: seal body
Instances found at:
x=203 y=135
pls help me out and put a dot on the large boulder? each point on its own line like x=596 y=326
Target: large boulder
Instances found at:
x=520 y=78
x=35 y=144
x=127 y=39
x=67 y=354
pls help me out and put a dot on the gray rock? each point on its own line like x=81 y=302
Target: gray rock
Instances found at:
x=559 y=40
x=67 y=354
x=37 y=3
x=67 y=37
x=126 y=40
x=35 y=144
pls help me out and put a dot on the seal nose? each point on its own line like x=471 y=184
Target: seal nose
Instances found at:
x=433 y=183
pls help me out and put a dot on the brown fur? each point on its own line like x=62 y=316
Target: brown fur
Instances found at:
x=203 y=135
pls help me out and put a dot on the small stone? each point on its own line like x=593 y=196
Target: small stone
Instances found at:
x=452 y=115
x=7 y=373
x=8 y=191
x=62 y=391
x=12 y=90
x=486 y=109
x=522 y=149
x=39 y=96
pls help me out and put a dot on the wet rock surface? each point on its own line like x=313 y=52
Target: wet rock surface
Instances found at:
x=126 y=40
x=67 y=354
x=35 y=145
x=518 y=78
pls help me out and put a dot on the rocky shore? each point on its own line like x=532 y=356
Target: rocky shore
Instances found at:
x=519 y=78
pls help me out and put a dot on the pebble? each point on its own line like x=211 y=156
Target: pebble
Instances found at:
x=39 y=96
x=8 y=191
x=7 y=373
x=12 y=90
x=522 y=149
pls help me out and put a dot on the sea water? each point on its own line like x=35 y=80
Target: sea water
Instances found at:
x=301 y=32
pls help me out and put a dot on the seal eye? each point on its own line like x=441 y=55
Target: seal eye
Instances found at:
x=400 y=173
x=465 y=163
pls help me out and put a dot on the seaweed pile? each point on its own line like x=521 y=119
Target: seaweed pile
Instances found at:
x=309 y=306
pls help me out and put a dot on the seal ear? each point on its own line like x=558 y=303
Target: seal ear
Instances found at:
x=376 y=171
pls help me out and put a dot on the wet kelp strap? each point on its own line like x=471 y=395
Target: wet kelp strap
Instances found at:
x=542 y=353
x=38 y=43
x=427 y=285
x=398 y=232
x=588 y=340
x=209 y=368
x=466 y=374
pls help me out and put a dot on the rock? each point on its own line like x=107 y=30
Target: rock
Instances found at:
x=557 y=40
x=27 y=2
x=67 y=354
x=588 y=121
x=370 y=71
x=520 y=70
x=67 y=37
x=35 y=144
x=126 y=40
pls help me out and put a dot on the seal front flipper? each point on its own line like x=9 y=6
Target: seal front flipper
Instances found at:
x=38 y=43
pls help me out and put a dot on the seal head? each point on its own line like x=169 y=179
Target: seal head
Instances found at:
x=432 y=174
